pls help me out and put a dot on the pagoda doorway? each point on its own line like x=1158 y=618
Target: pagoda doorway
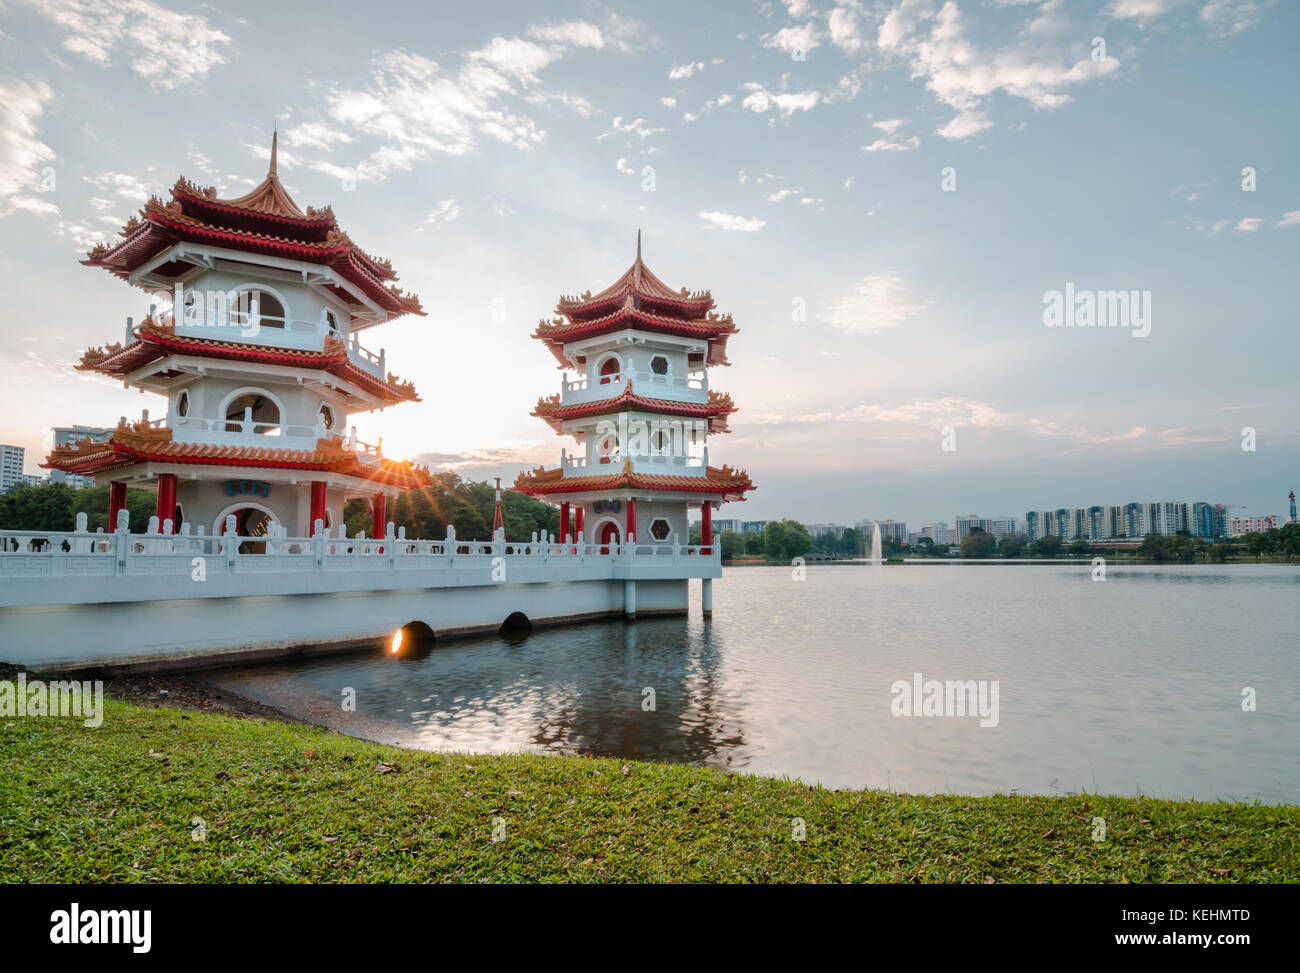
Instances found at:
x=250 y=521
x=607 y=536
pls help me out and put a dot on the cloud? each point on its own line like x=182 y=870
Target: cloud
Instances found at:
x=22 y=153
x=1140 y=10
x=623 y=168
x=166 y=48
x=961 y=75
x=877 y=302
x=574 y=33
x=638 y=127
x=680 y=72
x=1290 y=218
x=668 y=102
x=846 y=30
x=791 y=39
x=315 y=135
x=782 y=194
x=786 y=103
x=1225 y=18
x=888 y=125
x=1250 y=224
x=728 y=221
x=889 y=145
x=444 y=212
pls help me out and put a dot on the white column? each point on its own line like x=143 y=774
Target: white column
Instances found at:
x=629 y=599
x=706 y=595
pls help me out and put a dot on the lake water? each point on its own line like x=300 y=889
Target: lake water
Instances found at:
x=1129 y=686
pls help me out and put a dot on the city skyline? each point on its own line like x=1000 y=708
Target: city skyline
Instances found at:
x=875 y=191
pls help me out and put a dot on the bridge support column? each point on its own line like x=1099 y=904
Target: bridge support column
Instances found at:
x=706 y=595
x=116 y=502
x=166 y=508
x=629 y=599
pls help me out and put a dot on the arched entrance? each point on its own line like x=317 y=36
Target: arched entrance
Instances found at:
x=607 y=535
x=251 y=520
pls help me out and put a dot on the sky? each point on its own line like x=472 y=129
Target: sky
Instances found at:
x=884 y=195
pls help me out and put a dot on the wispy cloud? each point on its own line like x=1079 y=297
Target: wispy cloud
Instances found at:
x=876 y=302
x=729 y=221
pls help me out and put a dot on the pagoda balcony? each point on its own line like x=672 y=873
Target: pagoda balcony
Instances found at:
x=292 y=334
x=676 y=388
x=668 y=463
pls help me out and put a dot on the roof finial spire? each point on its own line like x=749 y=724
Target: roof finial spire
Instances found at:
x=275 y=136
x=636 y=267
x=638 y=244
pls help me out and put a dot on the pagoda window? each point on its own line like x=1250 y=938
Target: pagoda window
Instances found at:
x=183 y=403
x=332 y=323
x=270 y=309
x=326 y=416
x=610 y=369
x=252 y=411
x=659 y=365
x=660 y=529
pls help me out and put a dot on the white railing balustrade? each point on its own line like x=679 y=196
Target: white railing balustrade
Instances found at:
x=160 y=551
x=254 y=328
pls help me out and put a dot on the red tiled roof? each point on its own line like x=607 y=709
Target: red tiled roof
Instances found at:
x=138 y=442
x=155 y=341
x=715 y=410
x=714 y=329
x=724 y=481
x=265 y=221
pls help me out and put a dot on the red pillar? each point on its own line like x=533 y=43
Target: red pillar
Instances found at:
x=577 y=522
x=631 y=521
x=116 y=501
x=378 y=515
x=317 y=505
x=564 y=522
x=166 y=508
x=706 y=525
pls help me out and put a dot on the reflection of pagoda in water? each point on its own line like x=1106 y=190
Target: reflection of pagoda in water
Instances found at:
x=260 y=363
x=640 y=410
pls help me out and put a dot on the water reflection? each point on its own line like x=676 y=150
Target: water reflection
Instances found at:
x=1128 y=686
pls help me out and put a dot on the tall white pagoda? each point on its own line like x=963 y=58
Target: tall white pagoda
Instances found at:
x=260 y=364
x=640 y=410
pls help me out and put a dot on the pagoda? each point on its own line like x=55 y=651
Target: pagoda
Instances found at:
x=640 y=409
x=260 y=362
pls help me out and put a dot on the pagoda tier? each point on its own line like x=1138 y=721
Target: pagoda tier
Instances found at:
x=265 y=222
x=717 y=484
x=140 y=442
x=640 y=301
x=715 y=411
x=155 y=341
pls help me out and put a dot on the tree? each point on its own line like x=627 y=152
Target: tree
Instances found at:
x=850 y=543
x=754 y=543
x=732 y=544
x=1013 y=545
x=1047 y=546
x=1080 y=546
x=979 y=543
x=54 y=506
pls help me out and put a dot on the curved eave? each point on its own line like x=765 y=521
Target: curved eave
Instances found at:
x=153 y=345
x=557 y=415
x=721 y=482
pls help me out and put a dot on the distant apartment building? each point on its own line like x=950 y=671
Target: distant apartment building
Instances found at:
x=720 y=525
x=889 y=529
x=939 y=533
x=1133 y=520
x=1250 y=525
x=835 y=530
x=11 y=468
x=753 y=526
x=68 y=436
x=999 y=527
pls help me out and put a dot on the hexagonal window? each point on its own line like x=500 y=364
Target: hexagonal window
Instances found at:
x=660 y=530
x=659 y=365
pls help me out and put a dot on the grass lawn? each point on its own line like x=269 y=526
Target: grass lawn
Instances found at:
x=285 y=803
